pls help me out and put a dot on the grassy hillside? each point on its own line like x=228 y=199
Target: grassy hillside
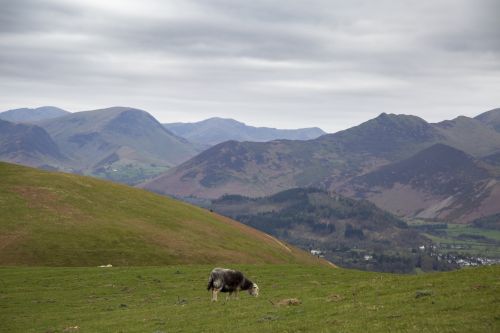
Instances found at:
x=56 y=219
x=175 y=299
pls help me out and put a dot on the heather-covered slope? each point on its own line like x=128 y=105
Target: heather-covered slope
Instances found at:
x=439 y=182
x=331 y=161
x=256 y=169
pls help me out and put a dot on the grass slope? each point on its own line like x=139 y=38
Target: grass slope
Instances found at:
x=56 y=219
x=174 y=299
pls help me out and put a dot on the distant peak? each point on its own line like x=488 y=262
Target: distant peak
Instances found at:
x=222 y=120
x=394 y=116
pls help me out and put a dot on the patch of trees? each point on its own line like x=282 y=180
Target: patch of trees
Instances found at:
x=353 y=232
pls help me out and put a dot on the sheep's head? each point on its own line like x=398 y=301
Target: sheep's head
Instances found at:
x=254 y=291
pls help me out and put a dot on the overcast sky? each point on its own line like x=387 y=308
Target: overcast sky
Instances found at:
x=285 y=63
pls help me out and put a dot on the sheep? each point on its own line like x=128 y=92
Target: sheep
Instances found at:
x=229 y=280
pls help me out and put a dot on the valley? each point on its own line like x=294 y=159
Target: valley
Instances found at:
x=398 y=169
x=323 y=166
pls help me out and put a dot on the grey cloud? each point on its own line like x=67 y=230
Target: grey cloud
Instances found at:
x=285 y=63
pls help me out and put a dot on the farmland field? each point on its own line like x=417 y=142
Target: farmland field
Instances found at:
x=461 y=239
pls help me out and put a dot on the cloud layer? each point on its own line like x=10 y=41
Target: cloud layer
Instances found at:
x=283 y=63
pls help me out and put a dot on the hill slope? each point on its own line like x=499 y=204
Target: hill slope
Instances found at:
x=29 y=145
x=119 y=143
x=341 y=227
x=216 y=130
x=438 y=182
x=470 y=135
x=491 y=118
x=56 y=219
x=27 y=115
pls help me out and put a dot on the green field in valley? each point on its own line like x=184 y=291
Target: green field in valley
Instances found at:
x=175 y=299
x=461 y=239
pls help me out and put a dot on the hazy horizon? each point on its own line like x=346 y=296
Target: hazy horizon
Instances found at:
x=246 y=123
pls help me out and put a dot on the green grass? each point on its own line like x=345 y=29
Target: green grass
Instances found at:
x=174 y=299
x=56 y=219
x=129 y=173
x=488 y=243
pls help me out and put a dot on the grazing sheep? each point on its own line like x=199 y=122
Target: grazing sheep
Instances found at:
x=231 y=281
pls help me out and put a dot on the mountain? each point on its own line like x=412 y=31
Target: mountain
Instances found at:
x=471 y=135
x=213 y=131
x=493 y=159
x=390 y=136
x=341 y=227
x=56 y=219
x=28 y=144
x=439 y=182
x=259 y=169
x=27 y=115
x=491 y=118
x=118 y=143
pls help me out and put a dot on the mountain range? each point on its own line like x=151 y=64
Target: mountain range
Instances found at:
x=331 y=161
x=118 y=143
x=28 y=115
x=213 y=131
x=447 y=170
x=117 y=140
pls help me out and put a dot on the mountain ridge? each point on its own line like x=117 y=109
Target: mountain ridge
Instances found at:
x=216 y=130
x=117 y=138
x=30 y=115
x=328 y=162
x=28 y=144
x=444 y=183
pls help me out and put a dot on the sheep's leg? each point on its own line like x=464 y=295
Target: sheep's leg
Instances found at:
x=236 y=294
x=215 y=291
